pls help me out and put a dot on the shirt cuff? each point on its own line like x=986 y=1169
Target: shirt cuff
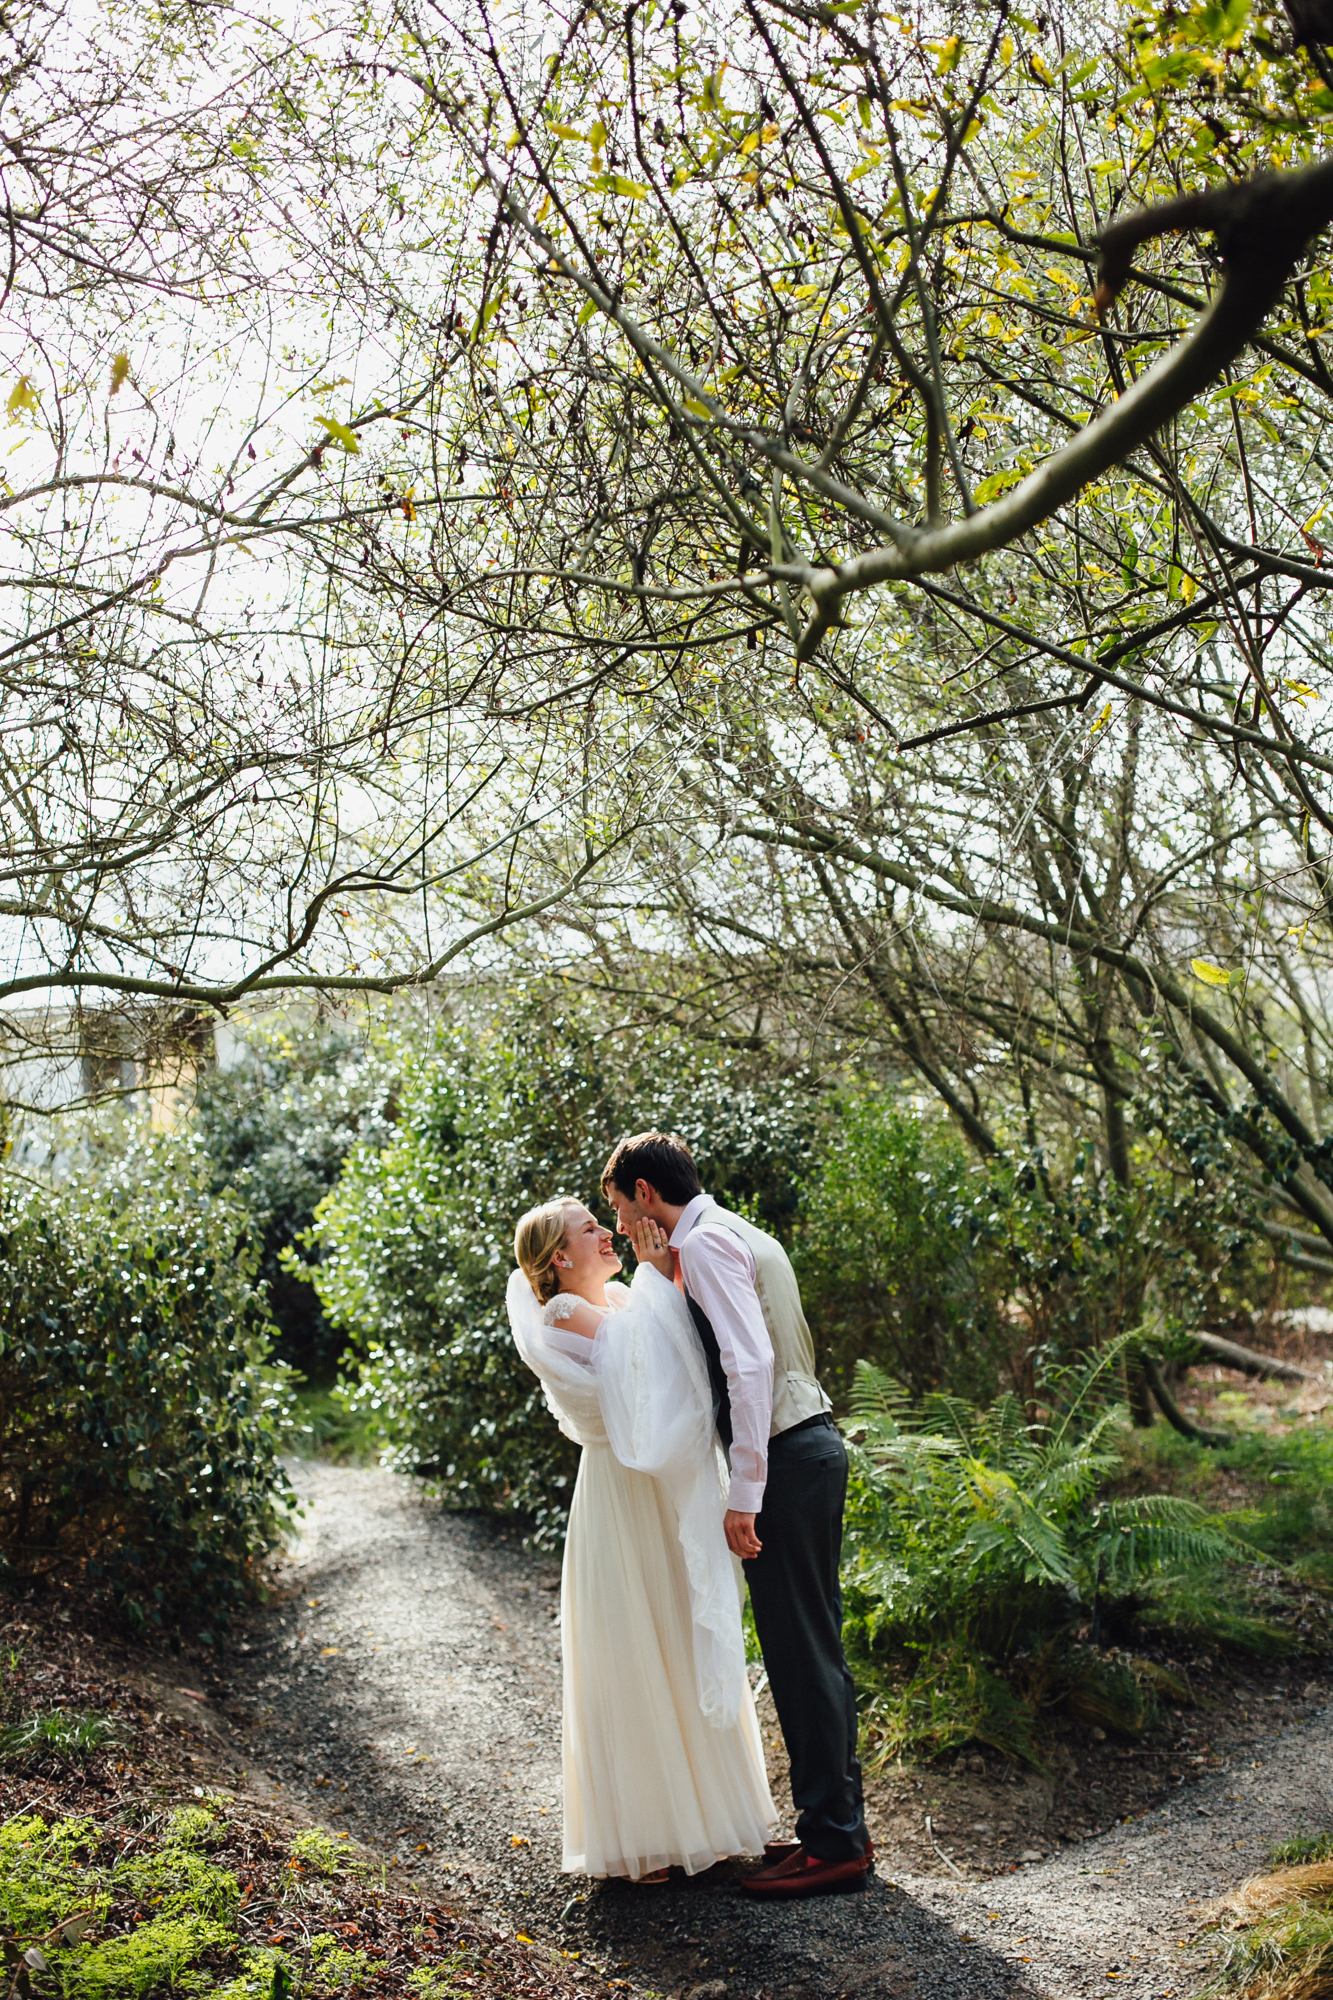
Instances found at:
x=746 y=1496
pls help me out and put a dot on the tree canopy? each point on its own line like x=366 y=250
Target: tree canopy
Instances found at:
x=823 y=509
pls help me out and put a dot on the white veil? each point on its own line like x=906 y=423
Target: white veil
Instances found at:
x=644 y=1374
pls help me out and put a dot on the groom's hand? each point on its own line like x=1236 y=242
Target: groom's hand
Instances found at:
x=741 y=1537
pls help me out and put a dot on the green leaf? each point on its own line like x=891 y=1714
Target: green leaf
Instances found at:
x=340 y=434
x=998 y=483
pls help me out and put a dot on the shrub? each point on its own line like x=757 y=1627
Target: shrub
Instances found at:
x=416 y=1239
x=893 y=1254
x=276 y=1131
x=140 y=1416
x=965 y=1276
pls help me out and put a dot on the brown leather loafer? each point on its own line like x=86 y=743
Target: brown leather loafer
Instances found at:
x=802 y=1874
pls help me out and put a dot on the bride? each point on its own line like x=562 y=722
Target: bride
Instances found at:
x=663 y=1763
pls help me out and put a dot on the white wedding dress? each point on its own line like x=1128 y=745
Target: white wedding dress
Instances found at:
x=663 y=1763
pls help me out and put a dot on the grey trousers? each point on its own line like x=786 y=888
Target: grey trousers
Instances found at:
x=797 y=1603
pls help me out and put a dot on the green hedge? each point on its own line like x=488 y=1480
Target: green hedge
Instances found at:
x=140 y=1415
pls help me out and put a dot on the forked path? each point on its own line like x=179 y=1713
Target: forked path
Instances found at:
x=407 y=1688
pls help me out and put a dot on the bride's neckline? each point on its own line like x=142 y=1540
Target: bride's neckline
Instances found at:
x=608 y=1304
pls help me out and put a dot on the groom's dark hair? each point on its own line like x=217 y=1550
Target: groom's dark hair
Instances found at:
x=660 y=1158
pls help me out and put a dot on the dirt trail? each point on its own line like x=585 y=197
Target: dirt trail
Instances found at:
x=408 y=1689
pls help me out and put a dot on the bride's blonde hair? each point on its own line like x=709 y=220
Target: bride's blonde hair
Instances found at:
x=540 y=1233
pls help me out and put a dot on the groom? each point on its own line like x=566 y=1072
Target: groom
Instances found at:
x=788 y=1484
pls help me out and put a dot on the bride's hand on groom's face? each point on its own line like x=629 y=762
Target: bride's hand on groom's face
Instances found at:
x=651 y=1245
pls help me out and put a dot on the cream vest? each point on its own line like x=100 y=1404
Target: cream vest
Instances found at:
x=796 y=1391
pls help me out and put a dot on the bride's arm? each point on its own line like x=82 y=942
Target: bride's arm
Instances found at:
x=575 y=1315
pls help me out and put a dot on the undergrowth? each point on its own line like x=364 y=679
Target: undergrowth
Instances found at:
x=1001 y=1572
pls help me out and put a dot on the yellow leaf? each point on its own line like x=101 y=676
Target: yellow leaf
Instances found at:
x=568 y=132
x=1102 y=719
x=340 y=434
x=326 y=1650
x=523 y=1937
x=519 y=1840
x=697 y=408
x=1211 y=975
x=120 y=368
x=409 y=511
x=620 y=184
x=748 y=144
x=22 y=396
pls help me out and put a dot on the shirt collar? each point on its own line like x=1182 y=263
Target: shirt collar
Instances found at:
x=689 y=1215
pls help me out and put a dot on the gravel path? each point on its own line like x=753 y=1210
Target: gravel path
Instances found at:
x=407 y=1687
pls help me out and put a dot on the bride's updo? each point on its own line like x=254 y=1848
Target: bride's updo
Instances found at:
x=540 y=1233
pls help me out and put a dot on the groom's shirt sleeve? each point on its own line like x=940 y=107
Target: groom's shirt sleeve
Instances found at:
x=719 y=1272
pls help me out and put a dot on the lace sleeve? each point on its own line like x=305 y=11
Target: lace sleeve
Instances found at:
x=560 y=1307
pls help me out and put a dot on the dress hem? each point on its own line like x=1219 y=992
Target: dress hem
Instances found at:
x=693 y=1864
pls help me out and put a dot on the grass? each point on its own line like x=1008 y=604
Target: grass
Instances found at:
x=1276 y=1486
x=67 y=1734
x=1280 y=1936
x=1279 y=1483
x=325 y=1428
x=1305 y=1848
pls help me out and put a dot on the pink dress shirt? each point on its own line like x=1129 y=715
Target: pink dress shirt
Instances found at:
x=719 y=1273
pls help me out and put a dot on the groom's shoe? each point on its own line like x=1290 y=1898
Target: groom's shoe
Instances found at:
x=802 y=1874
x=778 y=1850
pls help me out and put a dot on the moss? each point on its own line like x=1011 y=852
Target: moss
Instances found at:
x=157 y=1954
x=42 y=1879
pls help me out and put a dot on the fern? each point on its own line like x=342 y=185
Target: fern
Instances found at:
x=980 y=1525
